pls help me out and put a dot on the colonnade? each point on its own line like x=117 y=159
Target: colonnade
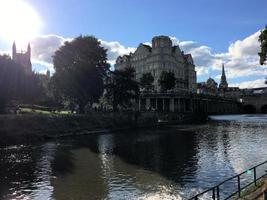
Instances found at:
x=181 y=104
x=165 y=104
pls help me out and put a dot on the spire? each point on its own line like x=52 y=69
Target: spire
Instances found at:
x=223 y=83
x=14 y=44
x=223 y=72
x=29 y=50
x=14 y=50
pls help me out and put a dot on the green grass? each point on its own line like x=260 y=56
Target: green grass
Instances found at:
x=45 y=112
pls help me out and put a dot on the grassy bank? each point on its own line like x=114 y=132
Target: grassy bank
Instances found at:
x=32 y=127
x=26 y=128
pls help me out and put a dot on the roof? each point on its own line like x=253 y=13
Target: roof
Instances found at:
x=147 y=46
x=186 y=56
x=211 y=80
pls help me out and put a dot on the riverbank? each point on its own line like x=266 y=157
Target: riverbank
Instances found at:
x=28 y=128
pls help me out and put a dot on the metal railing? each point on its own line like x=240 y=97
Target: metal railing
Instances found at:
x=217 y=191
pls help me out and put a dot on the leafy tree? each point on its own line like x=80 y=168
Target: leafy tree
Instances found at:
x=121 y=88
x=48 y=96
x=54 y=98
x=146 y=81
x=263 y=47
x=167 y=80
x=80 y=66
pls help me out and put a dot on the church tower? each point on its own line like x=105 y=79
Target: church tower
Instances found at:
x=23 y=58
x=223 y=83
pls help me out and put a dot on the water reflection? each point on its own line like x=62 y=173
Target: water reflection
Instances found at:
x=26 y=172
x=144 y=164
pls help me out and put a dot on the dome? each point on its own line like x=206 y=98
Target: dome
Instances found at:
x=211 y=82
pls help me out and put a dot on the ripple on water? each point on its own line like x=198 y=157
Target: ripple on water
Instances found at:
x=143 y=164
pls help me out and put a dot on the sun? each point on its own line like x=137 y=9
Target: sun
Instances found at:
x=18 y=21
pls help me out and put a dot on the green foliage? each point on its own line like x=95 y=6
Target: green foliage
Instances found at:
x=48 y=95
x=80 y=66
x=263 y=47
x=121 y=88
x=167 y=80
x=146 y=81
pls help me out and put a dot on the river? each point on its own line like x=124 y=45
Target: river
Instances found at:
x=173 y=163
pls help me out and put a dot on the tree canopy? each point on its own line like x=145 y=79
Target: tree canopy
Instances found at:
x=263 y=46
x=167 y=80
x=146 y=81
x=121 y=88
x=80 y=66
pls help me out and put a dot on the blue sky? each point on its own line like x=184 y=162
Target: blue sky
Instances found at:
x=215 y=23
x=212 y=25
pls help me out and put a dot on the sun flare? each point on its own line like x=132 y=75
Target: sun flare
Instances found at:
x=18 y=21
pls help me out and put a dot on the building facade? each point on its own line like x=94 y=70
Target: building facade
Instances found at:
x=22 y=58
x=162 y=56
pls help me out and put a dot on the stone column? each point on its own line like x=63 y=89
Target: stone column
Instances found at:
x=172 y=104
x=148 y=103
x=179 y=105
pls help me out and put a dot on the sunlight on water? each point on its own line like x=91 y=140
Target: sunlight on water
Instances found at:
x=245 y=117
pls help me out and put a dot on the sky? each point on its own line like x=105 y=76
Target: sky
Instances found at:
x=213 y=31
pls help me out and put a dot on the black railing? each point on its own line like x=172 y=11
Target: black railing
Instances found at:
x=217 y=191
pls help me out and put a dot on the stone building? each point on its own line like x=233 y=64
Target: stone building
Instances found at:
x=22 y=58
x=162 y=56
x=209 y=87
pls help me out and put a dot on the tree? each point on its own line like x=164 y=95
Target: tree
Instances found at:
x=263 y=46
x=121 y=88
x=80 y=66
x=167 y=80
x=146 y=81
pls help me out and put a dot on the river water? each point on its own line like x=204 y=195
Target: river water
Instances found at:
x=153 y=164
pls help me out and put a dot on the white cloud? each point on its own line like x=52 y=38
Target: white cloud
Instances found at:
x=203 y=57
x=202 y=70
x=250 y=84
x=241 y=59
x=43 y=48
x=247 y=47
x=115 y=49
